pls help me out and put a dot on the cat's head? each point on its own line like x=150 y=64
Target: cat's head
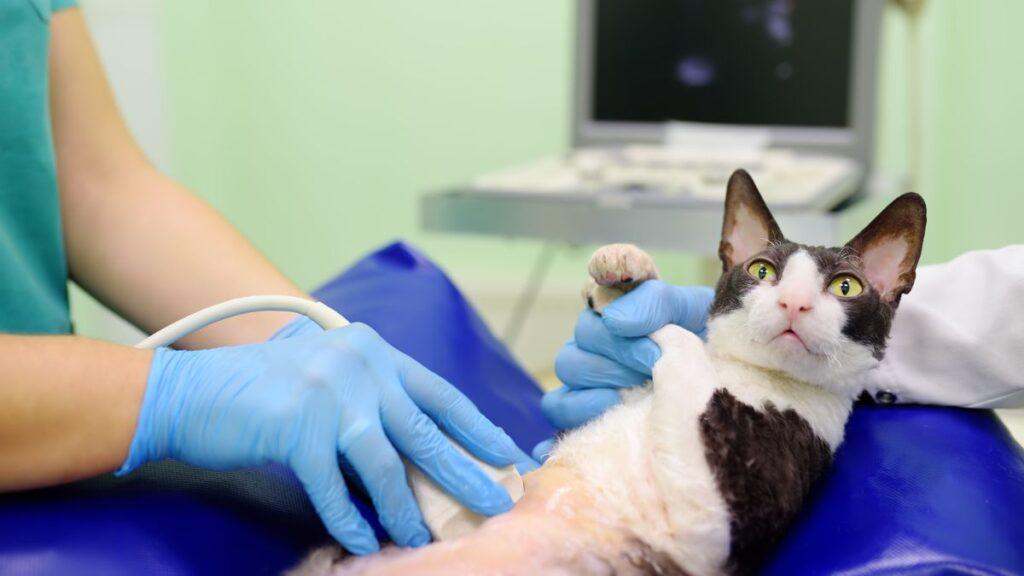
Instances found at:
x=821 y=315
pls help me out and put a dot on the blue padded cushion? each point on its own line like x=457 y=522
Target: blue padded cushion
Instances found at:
x=913 y=490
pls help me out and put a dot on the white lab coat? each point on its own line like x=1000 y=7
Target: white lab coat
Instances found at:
x=958 y=336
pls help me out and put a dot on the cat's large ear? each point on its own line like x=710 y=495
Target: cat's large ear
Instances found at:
x=748 y=227
x=890 y=246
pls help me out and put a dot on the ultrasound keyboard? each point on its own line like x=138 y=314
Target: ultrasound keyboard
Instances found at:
x=680 y=176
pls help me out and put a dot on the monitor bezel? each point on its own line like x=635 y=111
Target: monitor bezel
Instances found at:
x=855 y=141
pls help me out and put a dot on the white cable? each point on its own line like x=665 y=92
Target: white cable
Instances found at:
x=318 y=312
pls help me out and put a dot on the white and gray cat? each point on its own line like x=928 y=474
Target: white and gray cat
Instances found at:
x=702 y=471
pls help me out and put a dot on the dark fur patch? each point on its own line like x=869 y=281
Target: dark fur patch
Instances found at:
x=868 y=316
x=765 y=463
x=735 y=281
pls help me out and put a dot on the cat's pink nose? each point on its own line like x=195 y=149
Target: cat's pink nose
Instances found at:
x=795 y=305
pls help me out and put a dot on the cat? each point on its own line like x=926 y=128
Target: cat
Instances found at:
x=701 y=471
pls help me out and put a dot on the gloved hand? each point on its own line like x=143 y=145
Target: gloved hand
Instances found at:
x=302 y=401
x=298 y=326
x=612 y=351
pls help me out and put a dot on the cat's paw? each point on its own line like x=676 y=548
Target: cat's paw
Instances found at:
x=621 y=264
x=614 y=270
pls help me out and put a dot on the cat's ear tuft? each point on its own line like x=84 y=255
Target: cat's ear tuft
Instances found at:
x=890 y=246
x=747 y=227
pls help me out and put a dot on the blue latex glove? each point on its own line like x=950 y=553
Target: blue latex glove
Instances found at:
x=302 y=325
x=298 y=326
x=303 y=401
x=612 y=351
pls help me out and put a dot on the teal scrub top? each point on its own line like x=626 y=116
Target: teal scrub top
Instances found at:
x=33 y=268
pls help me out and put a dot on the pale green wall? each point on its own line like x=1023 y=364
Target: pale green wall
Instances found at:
x=976 y=162
x=315 y=126
x=973 y=114
x=316 y=130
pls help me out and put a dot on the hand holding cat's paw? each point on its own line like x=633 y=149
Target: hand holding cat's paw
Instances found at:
x=568 y=408
x=593 y=372
x=612 y=352
x=655 y=304
x=593 y=337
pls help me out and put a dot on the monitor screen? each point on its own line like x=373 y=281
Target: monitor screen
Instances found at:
x=746 y=62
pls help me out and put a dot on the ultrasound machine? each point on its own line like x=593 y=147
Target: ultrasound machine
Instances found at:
x=670 y=97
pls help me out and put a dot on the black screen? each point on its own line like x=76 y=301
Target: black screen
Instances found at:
x=759 y=62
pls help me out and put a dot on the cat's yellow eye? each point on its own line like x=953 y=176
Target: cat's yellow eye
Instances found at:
x=845 y=286
x=761 y=270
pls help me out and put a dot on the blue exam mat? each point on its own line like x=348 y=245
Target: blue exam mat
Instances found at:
x=913 y=490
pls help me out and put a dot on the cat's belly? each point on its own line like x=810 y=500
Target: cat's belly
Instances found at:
x=669 y=502
x=558 y=528
x=607 y=503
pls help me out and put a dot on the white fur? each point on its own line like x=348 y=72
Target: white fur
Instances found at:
x=651 y=476
x=646 y=460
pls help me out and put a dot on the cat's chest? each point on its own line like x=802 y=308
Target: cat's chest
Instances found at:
x=766 y=441
x=824 y=412
x=764 y=461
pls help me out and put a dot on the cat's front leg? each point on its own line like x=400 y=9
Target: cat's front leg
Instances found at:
x=616 y=269
x=684 y=382
x=684 y=376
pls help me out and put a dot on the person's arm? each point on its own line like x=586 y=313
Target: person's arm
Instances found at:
x=137 y=241
x=958 y=336
x=68 y=408
x=71 y=408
